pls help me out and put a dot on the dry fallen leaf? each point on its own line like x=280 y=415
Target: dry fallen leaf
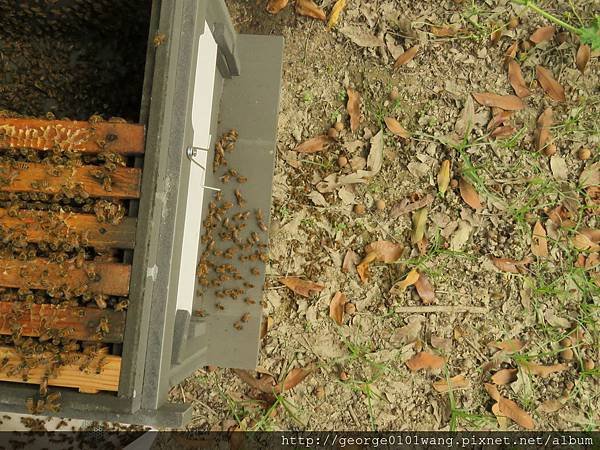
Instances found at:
x=510 y=265
x=443 y=177
x=509 y=409
x=336 y=307
x=395 y=127
x=294 y=378
x=384 y=251
x=511 y=52
x=510 y=346
x=336 y=11
x=542 y=371
x=539 y=243
x=301 y=287
x=313 y=145
x=266 y=383
x=443 y=31
x=353 y=107
x=552 y=405
x=542 y=132
x=504 y=376
x=401 y=286
x=500 y=118
x=503 y=132
x=469 y=194
x=424 y=360
x=407 y=56
x=419 y=224
x=505 y=102
x=309 y=8
x=542 y=34
x=425 y=289
x=515 y=76
x=584 y=54
x=454 y=383
x=406 y=206
x=274 y=6
x=351 y=259
x=552 y=87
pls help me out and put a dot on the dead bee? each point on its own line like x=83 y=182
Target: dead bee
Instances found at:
x=199 y=313
x=228 y=254
x=248 y=285
x=219 y=306
x=225 y=178
x=239 y=198
x=238 y=326
x=245 y=318
x=255 y=271
x=227 y=205
x=122 y=305
x=249 y=301
x=240 y=179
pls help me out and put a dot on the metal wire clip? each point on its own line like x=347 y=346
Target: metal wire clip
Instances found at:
x=191 y=152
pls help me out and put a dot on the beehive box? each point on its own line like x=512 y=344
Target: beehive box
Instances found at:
x=120 y=274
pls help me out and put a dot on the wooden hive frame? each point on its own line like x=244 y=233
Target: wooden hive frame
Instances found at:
x=88 y=325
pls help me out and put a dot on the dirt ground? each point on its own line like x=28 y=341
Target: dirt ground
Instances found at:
x=525 y=325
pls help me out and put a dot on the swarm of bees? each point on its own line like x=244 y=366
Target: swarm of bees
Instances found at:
x=232 y=239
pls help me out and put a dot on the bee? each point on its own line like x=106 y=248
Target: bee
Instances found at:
x=100 y=301
x=44 y=387
x=240 y=179
x=245 y=318
x=122 y=305
x=255 y=271
x=199 y=313
x=219 y=306
x=225 y=178
x=228 y=254
x=239 y=198
x=103 y=326
x=248 y=285
x=238 y=326
x=101 y=363
x=249 y=301
x=220 y=294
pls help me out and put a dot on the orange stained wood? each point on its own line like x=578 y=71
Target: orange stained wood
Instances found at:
x=40 y=273
x=30 y=177
x=84 y=323
x=41 y=226
x=75 y=136
x=70 y=375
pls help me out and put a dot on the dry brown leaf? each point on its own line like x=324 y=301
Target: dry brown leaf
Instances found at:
x=407 y=56
x=503 y=132
x=411 y=278
x=406 y=206
x=454 y=383
x=301 y=287
x=425 y=360
x=515 y=76
x=582 y=59
x=395 y=127
x=336 y=11
x=510 y=265
x=500 y=118
x=541 y=370
x=425 y=289
x=336 y=307
x=583 y=242
x=508 y=408
x=511 y=52
x=353 y=107
x=266 y=383
x=419 y=224
x=384 y=251
x=552 y=405
x=469 y=194
x=504 y=376
x=363 y=267
x=443 y=31
x=510 y=346
x=552 y=87
x=351 y=259
x=313 y=145
x=542 y=34
x=443 y=177
x=294 y=378
x=274 y=6
x=539 y=243
x=309 y=8
x=505 y=102
x=543 y=137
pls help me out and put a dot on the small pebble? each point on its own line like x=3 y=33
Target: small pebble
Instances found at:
x=333 y=133
x=350 y=309
x=344 y=376
x=380 y=204
x=394 y=94
x=588 y=364
x=359 y=209
x=584 y=154
x=453 y=183
x=566 y=354
x=339 y=126
x=342 y=161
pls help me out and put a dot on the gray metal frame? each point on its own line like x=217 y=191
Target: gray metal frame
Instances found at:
x=154 y=358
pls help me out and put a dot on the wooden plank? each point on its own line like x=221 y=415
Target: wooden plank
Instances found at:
x=41 y=226
x=40 y=273
x=39 y=178
x=84 y=137
x=84 y=323
x=69 y=375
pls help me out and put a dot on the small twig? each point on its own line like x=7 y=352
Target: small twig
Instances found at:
x=182 y=393
x=353 y=415
x=442 y=309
